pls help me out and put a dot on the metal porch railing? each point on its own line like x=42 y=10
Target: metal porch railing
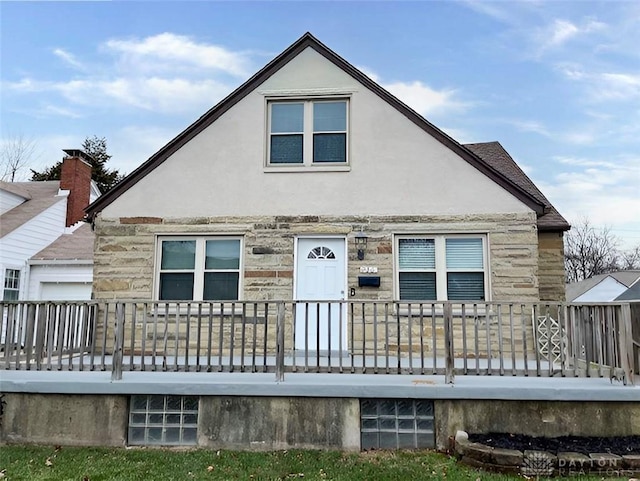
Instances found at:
x=370 y=337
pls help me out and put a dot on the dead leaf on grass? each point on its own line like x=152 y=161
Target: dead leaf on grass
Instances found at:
x=210 y=468
x=3 y=473
x=48 y=462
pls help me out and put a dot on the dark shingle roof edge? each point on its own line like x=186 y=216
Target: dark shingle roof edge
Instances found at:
x=497 y=157
x=308 y=40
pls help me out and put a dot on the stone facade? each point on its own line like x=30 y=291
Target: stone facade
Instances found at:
x=125 y=251
x=551 y=272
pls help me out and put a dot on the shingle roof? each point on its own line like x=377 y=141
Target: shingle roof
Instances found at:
x=631 y=294
x=40 y=196
x=576 y=289
x=494 y=154
x=15 y=188
x=309 y=41
x=75 y=246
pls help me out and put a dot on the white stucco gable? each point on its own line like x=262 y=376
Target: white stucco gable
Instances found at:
x=394 y=166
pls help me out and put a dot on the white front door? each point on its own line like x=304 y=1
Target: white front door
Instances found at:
x=320 y=276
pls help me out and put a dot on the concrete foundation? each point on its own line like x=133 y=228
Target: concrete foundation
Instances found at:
x=268 y=423
x=537 y=418
x=66 y=420
x=311 y=411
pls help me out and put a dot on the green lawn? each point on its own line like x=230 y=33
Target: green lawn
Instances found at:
x=36 y=463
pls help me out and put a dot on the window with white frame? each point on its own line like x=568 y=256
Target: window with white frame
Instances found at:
x=440 y=268
x=198 y=268
x=306 y=132
x=11 y=285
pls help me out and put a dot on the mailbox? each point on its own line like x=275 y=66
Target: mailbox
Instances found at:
x=368 y=281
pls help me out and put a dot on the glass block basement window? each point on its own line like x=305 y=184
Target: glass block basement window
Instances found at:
x=396 y=424
x=163 y=420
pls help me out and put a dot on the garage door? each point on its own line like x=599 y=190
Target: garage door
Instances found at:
x=65 y=291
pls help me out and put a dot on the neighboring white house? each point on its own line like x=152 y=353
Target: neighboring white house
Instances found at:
x=615 y=286
x=46 y=250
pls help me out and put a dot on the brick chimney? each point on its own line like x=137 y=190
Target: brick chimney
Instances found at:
x=76 y=178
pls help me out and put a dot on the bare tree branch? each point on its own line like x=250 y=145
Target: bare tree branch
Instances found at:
x=630 y=259
x=16 y=153
x=589 y=252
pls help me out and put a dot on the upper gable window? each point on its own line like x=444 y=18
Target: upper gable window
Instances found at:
x=308 y=132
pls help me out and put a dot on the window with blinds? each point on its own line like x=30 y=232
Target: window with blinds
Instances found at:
x=465 y=269
x=441 y=268
x=417 y=269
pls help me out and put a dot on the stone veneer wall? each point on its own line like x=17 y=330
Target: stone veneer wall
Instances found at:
x=125 y=250
x=551 y=266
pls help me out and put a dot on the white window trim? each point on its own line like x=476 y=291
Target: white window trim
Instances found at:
x=307 y=164
x=20 y=280
x=199 y=270
x=441 y=263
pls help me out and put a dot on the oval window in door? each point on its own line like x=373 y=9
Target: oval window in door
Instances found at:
x=321 y=252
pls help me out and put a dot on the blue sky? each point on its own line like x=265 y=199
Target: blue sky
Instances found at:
x=557 y=83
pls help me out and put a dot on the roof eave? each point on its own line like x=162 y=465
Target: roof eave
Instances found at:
x=554 y=228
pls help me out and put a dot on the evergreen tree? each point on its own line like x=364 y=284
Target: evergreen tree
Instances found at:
x=96 y=148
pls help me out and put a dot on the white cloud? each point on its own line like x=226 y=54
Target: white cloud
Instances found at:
x=579 y=137
x=164 y=95
x=582 y=162
x=572 y=71
x=461 y=136
x=164 y=73
x=420 y=97
x=574 y=135
x=530 y=126
x=423 y=98
x=604 y=191
x=56 y=111
x=68 y=58
x=559 y=32
x=620 y=85
x=492 y=9
x=171 y=52
x=604 y=86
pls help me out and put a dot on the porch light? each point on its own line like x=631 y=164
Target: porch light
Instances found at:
x=361 y=244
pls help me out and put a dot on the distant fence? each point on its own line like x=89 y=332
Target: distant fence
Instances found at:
x=445 y=338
